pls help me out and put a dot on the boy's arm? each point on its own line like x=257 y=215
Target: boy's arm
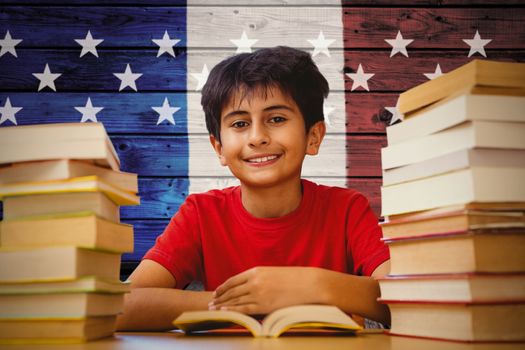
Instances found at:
x=153 y=302
x=265 y=289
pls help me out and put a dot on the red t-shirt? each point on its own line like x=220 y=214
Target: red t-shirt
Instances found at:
x=212 y=237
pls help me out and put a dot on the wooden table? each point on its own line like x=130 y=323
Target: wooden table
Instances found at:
x=176 y=341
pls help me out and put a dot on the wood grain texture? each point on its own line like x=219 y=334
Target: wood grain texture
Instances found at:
x=159 y=153
x=363 y=27
x=122 y=113
x=215 y=26
x=58 y=26
x=167 y=156
x=366 y=113
x=436 y=28
x=90 y=73
x=320 y=3
x=168 y=74
x=400 y=73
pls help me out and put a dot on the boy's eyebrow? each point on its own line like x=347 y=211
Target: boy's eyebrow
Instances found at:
x=267 y=109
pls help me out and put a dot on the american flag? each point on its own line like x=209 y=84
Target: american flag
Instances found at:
x=138 y=67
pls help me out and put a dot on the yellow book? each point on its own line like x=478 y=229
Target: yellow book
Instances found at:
x=305 y=317
x=77 y=184
x=53 y=305
x=82 y=284
x=56 y=330
x=477 y=76
x=81 y=230
x=60 y=204
x=56 y=263
x=63 y=169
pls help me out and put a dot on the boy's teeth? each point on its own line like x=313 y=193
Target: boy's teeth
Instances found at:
x=263 y=159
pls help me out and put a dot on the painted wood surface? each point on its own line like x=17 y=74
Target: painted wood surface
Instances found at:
x=157 y=152
x=395 y=74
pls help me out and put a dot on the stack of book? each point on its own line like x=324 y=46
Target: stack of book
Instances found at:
x=453 y=198
x=61 y=238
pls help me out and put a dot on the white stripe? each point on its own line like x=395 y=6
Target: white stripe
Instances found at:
x=209 y=30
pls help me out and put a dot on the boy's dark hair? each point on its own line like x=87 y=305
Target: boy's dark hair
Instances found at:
x=292 y=71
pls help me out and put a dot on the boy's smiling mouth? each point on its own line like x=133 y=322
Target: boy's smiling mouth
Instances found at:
x=262 y=159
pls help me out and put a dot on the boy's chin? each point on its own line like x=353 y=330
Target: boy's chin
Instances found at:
x=268 y=182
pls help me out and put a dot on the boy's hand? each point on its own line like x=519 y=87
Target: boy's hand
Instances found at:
x=261 y=290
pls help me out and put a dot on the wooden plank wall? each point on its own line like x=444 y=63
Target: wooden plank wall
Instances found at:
x=159 y=153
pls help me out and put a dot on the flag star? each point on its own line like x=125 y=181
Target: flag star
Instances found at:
x=399 y=45
x=437 y=73
x=244 y=44
x=8 y=45
x=127 y=78
x=89 y=45
x=360 y=78
x=321 y=44
x=8 y=112
x=477 y=44
x=201 y=77
x=166 y=44
x=47 y=78
x=327 y=110
x=89 y=112
x=166 y=112
x=396 y=115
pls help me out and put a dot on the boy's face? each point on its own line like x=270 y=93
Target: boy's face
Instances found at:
x=263 y=138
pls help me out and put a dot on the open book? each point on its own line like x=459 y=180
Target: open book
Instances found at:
x=273 y=325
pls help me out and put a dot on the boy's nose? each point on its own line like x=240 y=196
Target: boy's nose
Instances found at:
x=258 y=136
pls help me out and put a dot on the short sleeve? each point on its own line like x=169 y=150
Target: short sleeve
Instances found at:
x=179 y=247
x=364 y=237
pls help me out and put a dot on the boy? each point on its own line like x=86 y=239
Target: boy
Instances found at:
x=276 y=240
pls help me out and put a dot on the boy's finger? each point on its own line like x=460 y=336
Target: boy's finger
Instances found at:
x=231 y=283
x=230 y=294
x=249 y=309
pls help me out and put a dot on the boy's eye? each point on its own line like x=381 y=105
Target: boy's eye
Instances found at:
x=277 y=119
x=239 y=124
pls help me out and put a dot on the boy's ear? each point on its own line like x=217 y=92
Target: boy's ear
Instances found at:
x=218 y=149
x=315 y=137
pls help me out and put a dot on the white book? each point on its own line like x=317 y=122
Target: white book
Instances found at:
x=449 y=113
x=477 y=184
x=471 y=134
x=88 y=141
x=462 y=159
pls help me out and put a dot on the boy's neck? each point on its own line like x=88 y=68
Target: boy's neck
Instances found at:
x=272 y=202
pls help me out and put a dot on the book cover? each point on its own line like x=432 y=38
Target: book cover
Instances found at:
x=83 y=230
x=77 y=184
x=60 y=204
x=452 y=221
x=472 y=134
x=505 y=78
x=458 y=287
x=63 y=169
x=56 y=330
x=490 y=251
x=458 y=160
x=59 y=305
x=451 y=112
x=466 y=322
x=56 y=263
x=475 y=184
